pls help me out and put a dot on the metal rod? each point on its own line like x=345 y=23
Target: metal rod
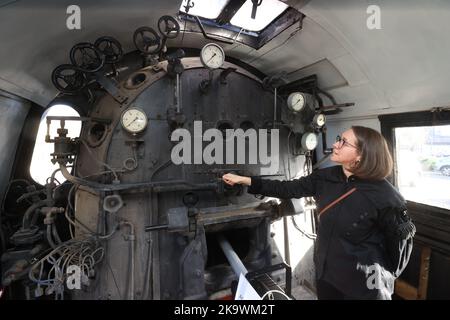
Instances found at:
x=287 y=252
x=275 y=107
x=156 y=227
x=192 y=187
x=156 y=186
x=178 y=95
x=232 y=257
x=132 y=239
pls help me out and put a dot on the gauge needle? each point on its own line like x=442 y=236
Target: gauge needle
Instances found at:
x=133 y=120
x=211 y=57
x=297 y=102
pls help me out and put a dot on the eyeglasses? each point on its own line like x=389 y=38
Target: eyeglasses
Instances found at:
x=343 y=142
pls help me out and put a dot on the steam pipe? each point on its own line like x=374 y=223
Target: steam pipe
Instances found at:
x=326 y=94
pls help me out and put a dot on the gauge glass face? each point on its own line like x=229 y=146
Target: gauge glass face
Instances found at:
x=309 y=141
x=320 y=120
x=212 y=56
x=134 y=120
x=296 y=101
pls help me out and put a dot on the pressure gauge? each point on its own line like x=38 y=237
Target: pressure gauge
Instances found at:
x=134 y=120
x=296 y=101
x=319 y=120
x=212 y=56
x=309 y=141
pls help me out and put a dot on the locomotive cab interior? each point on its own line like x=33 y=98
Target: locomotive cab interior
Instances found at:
x=118 y=121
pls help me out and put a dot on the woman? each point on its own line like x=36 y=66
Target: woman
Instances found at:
x=364 y=238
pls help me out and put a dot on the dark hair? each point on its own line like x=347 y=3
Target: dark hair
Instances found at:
x=376 y=160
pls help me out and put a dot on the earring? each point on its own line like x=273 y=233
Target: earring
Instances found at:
x=356 y=163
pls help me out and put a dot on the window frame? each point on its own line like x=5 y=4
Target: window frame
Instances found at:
x=433 y=224
x=37 y=119
x=27 y=140
x=218 y=30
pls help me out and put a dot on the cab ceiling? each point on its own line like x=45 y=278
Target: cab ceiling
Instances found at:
x=401 y=67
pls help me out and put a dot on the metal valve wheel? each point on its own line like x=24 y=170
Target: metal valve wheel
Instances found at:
x=68 y=78
x=147 y=40
x=169 y=27
x=111 y=49
x=87 y=57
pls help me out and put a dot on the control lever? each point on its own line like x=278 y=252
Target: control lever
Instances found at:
x=177 y=221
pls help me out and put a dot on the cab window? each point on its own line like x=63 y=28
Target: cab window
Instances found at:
x=422 y=157
x=41 y=166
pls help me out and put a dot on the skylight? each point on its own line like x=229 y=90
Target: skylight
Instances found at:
x=265 y=14
x=232 y=19
x=209 y=9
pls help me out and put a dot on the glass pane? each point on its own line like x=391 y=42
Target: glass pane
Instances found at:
x=265 y=14
x=209 y=9
x=41 y=167
x=423 y=164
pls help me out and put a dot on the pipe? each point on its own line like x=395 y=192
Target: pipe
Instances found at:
x=156 y=227
x=157 y=186
x=26 y=217
x=55 y=234
x=132 y=239
x=49 y=236
x=187 y=187
x=232 y=257
x=275 y=107
x=326 y=94
x=147 y=269
x=287 y=253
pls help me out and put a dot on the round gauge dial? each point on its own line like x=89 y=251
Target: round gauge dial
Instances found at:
x=319 y=120
x=134 y=120
x=296 y=101
x=309 y=141
x=212 y=56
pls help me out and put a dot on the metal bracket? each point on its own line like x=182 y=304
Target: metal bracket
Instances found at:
x=110 y=87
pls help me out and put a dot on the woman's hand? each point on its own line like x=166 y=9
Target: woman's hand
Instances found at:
x=233 y=179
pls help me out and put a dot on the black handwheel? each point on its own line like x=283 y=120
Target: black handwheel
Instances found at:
x=169 y=27
x=147 y=40
x=87 y=57
x=68 y=78
x=111 y=48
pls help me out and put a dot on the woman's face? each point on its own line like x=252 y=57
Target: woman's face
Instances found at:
x=345 y=151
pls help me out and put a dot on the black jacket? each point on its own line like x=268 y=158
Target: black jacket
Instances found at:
x=365 y=241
